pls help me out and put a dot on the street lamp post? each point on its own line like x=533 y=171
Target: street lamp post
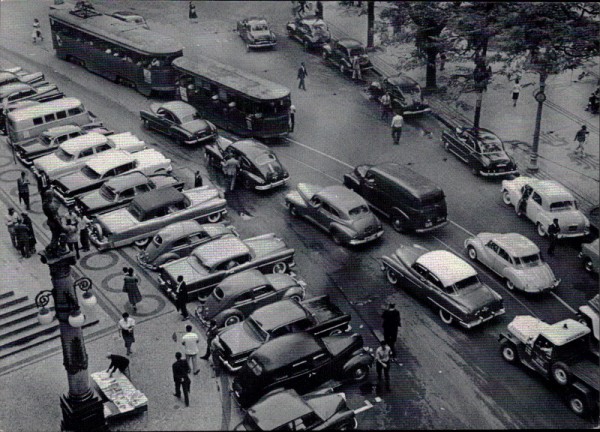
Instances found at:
x=540 y=97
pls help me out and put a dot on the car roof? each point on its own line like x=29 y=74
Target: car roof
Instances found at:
x=551 y=189
x=416 y=184
x=268 y=413
x=180 y=229
x=7 y=89
x=279 y=313
x=526 y=328
x=516 y=245
x=286 y=349
x=158 y=198
x=44 y=108
x=256 y=19
x=402 y=80
x=446 y=266
x=312 y=20
x=125 y=181
x=219 y=250
x=241 y=282
x=251 y=147
x=62 y=130
x=342 y=197
x=350 y=43
x=106 y=160
x=82 y=142
x=181 y=109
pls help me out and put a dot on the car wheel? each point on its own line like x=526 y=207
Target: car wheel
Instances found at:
x=398 y=224
x=560 y=373
x=541 y=230
x=279 y=267
x=232 y=319
x=296 y=297
x=447 y=146
x=392 y=276
x=588 y=265
x=506 y=198
x=472 y=253
x=359 y=373
x=578 y=404
x=446 y=317
x=146 y=124
x=292 y=210
x=142 y=243
x=214 y=218
x=510 y=285
x=508 y=351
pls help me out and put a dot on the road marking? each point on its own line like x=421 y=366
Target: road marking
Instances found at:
x=320 y=152
x=461 y=227
x=368 y=406
x=563 y=302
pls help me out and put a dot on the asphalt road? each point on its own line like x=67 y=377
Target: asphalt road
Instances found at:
x=447 y=377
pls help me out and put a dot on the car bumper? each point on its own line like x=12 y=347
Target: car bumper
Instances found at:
x=550 y=287
x=475 y=323
x=24 y=159
x=416 y=112
x=431 y=228
x=498 y=173
x=262 y=44
x=144 y=264
x=101 y=244
x=366 y=239
x=272 y=185
x=574 y=235
x=63 y=198
x=201 y=139
x=227 y=364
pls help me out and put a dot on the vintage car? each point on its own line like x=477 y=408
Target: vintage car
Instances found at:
x=589 y=314
x=178 y=240
x=301 y=361
x=318 y=410
x=18 y=92
x=50 y=139
x=72 y=154
x=211 y=262
x=310 y=31
x=481 y=149
x=340 y=53
x=107 y=165
x=542 y=201
x=589 y=256
x=255 y=33
x=343 y=214
x=119 y=191
x=259 y=167
x=238 y=295
x=447 y=282
x=12 y=107
x=318 y=316
x=179 y=121
x=515 y=258
x=151 y=211
x=405 y=94
x=18 y=76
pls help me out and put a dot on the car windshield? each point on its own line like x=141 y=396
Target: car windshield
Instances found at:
x=90 y=173
x=489 y=142
x=265 y=159
x=260 y=27
x=409 y=89
x=462 y=285
x=64 y=155
x=107 y=193
x=45 y=140
x=563 y=205
x=254 y=328
x=190 y=117
x=528 y=261
x=358 y=212
x=356 y=51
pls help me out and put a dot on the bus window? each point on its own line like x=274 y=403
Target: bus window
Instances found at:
x=61 y=115
x=75 y=111
x=49 y=118
x=38 y=121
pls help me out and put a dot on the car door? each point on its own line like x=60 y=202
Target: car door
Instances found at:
x=162 y=120
x=263 y=295
x=181 y=246
x=84 y=154
x=490 y=255
x=244 y=303
x=418 y=278
x=534 y=206
x=502 y=261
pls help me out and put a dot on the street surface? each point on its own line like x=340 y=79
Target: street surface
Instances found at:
x=446 y=377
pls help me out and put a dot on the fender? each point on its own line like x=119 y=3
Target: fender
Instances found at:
x=335 y=227
x=396 y=210
x=221 y=315
x=351 y=181
x=327 y=49
x=543 y=219
x=163 y=258
x=363 y=359
x=295 y=199
x=510 y=275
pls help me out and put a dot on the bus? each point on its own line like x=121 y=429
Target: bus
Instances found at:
x=121 y=51
x=234 y=100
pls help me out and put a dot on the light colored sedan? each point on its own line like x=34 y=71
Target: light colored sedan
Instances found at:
x=515 y=258
x=590 y=256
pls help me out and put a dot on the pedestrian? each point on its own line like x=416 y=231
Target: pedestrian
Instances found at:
x=382 y=362
x=70 y=228
x=553 y=231
x=118 y=362
x=397 y=122
x=211 y=332
x=126 y=325
x=442 y=61
x=580 y=137
x=302 y=74
x=391 y=322
x=356 y=71
x=36 y=35
x=181 y=371
x=11 y=220
x=192 y=12
x=386 y=105
x=182 y=298
x=31 y=240
x=50 y=209
x=515 y=92
x=190 y=344
x=230 y=167
x=22 y=236
x=42 y=185
x=23 y=189
x=319 y=9
x=292 y=118
x=84 y=232
x=130 y=286
x=197 y=179
x=301 y=7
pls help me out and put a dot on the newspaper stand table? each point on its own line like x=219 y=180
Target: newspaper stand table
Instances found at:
x=120 y=395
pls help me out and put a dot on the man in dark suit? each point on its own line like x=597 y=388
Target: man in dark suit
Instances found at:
x=553 y=231
x=182 y=298
x=181 y=371
x=391 y=322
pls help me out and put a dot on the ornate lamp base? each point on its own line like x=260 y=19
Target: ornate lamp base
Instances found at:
x=83 y=416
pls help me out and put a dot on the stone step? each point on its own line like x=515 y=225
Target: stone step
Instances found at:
x=8 y=315
x=25 y=333
x=13 y=301
x=6 y=294
x=17 y=316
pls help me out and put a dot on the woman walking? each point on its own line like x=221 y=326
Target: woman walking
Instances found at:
x=126 y=325
x=192 y=13
x=130 y=286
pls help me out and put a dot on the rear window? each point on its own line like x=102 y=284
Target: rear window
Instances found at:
x=49 y=117
x=432 y=199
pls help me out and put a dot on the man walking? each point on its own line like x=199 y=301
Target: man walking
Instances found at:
x=382 y=362
x=84 y=233
x=190 y=344
x=12 y=219
x=580 y=137
x=397 y=122
x=302 y=74
x=210 y=335
x=118 y=362
x=386 y=105
x=23 y=189
x=292 y=118
x=126 y=325
x=197 y=179
x=515 y=92
x=553 y=231
x=181 y=371
x=230 y=168
x=182 y=298
x=356 y=71
x=391 y=322
x=319 y=9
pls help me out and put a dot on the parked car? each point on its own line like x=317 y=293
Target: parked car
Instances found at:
x=105 y=166
x=589 y=256
x=284 y=409
x=300 y=361
x=411 y=202
x=119 y=191
x=151 y=211
x=589 y=314
x=405 y=94
x=18 y=92
x=340 y=53
x=544 y=201
x=180 y=122
x=255 y=33
x=481 y=149
x=343 y=214
x=211 y=262
x=447 y=282
x=49 y=141
x=12 y=107
x=19 y=76
x=310 y=31
x=318 y=316
x=515 y=258
x=178 y=240
x=259 y=167
x=72 y=154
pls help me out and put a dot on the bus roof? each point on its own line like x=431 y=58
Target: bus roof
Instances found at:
x=44 y=108
x=127 y=34
x=233 y=78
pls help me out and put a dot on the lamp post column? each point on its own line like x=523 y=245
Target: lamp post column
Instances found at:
x=540 y=97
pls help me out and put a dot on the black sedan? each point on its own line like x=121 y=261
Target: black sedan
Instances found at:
x=259 y=167
x=179 y=121
x=481 y=149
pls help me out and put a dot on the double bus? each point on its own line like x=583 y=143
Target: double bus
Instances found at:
x=121 y=51
x=234 y=100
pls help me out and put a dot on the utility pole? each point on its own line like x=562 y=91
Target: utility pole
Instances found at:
x=370 y=23
x=540 y=97
x=481 y=78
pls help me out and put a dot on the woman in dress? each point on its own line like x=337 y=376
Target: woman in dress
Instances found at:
x=130 y=286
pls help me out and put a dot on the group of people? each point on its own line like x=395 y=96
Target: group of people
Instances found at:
x=593 y=100
x=21 y=232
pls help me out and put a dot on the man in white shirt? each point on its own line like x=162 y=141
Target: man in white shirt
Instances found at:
x=382 y=362
x=397 y=122
x=190 y=344
x=126 y=325
x=386 y=105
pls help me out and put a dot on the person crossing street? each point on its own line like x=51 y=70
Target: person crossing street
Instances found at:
x=181 y=372
x=382 y=362
x=190 y=344
x=302 y=74
x=397 y=123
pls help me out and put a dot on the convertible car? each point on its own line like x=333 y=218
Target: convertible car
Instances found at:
x=447 y=282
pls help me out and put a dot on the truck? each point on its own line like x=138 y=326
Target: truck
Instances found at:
x=561 y=353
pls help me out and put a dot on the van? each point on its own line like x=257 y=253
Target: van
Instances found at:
x=411 y=202
x=24 y=125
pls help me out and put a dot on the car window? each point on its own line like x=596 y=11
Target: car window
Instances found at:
x=197 y=237
x=262 y=291
x=327 y=208
x=315 y=201
x=127 y=193
x=537 y=198
x=493 y=246
x=280 y=331
x=103 y=147
x=181 y=242
x=141 y=189
x=432 y=279
x=243 y=298
x=62 y=139
x=301 y=325
x=227 y=265
x=422 y=271
x=86 y=152
x=504 y=255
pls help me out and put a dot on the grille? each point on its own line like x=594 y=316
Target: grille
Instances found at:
x=572 y=228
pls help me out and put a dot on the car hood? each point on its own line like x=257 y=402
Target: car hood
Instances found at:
x=567 y=218
x=33 y=147
x=117 y=221
x=93 y=200
x=538 y=277
x=327 y=406
x=184 y=268
x=265 y=245
x=281 y=281
x=273 y=169
x=196 y=126
x=203 y=195
x=52 y=165
x=261 y=34
x=476 y=297
x=75 y=181
x=409 y=254
x=238 y=340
